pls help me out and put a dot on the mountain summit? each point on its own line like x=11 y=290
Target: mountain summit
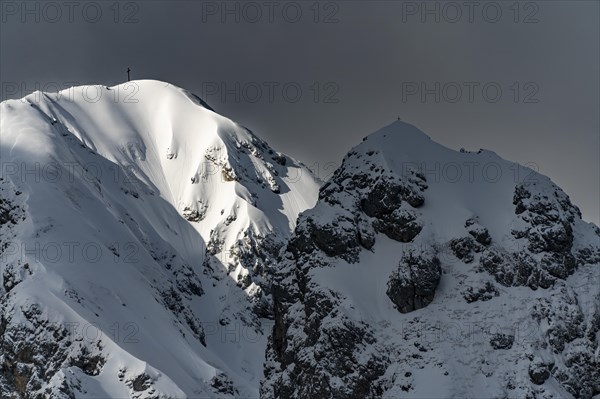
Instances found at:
x=424 y=272
x=138 y=229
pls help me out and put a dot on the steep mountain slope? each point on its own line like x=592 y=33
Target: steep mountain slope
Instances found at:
x=424 y=272
x=137 y=228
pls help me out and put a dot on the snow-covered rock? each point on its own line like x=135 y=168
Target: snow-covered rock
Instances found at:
x=423 y=272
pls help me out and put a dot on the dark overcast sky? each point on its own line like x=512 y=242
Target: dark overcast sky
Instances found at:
x=355 y=62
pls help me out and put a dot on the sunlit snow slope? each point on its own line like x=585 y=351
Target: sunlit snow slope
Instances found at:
x=138 y=229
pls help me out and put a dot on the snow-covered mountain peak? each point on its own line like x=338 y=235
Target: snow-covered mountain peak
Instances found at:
x=183 y=211
x=171 y=140
x=428 y=272
x=398 y=130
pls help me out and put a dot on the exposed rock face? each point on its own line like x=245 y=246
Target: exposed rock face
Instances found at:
x=338 y=237
x=223 y=385
x=464 y=248
x=480 y=233
x=387 y=194
x=538 y=372
x=194 y=215
x=343 y=365
x=401 y=225
x=384 y=204
x=543 y=250
x=33 y=353
x=482 y=293
x=571 y=338
x=413 y=285
x=310 y=318
x=502 y=341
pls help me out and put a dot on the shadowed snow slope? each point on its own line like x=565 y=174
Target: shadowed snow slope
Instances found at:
x=424 y=272
x=138 y=230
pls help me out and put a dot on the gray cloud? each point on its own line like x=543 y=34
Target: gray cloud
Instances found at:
x=355 y=63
